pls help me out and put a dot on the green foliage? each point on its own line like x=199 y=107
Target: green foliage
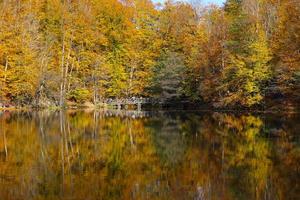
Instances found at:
x=247 y=62
x=168 y=80
x=79 y=95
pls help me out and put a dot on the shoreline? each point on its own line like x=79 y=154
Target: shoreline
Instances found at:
x=258 y=111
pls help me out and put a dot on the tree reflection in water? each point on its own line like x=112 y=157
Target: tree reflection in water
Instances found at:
x=100 y=155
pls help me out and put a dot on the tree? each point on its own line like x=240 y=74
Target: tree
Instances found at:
x=53 y=52
x=285 y=45
x=212 y=55
x=168 y=80
x=18 y=51
x=248 y=59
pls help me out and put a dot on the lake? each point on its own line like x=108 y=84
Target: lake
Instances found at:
x=149 y=155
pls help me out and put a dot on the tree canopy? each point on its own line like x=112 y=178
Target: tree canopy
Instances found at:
x=242 y=54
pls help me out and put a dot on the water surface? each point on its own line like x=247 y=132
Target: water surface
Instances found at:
x=164 y=155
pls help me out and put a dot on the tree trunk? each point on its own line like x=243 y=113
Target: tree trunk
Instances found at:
x=5 y=69
x=66 y=70
x=95 y=78
x=62 y=98
x=69 y=77
x=132 y=69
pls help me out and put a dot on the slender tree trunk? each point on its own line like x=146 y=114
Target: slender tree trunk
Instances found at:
x=65 y=77
x=5 y=69
x=132 y=69
x=69 y=77
x=62 y=84
x=64 y=61
x=62 y=98
x=95 y=94
x=223 y=44
x=95 y=78
x=64 y=74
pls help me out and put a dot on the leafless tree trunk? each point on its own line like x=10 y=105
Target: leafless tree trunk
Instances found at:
x=95 y=79
x=5 y=69
x=62 y=93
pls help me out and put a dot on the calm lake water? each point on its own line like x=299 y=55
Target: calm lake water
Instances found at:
x=164 y=155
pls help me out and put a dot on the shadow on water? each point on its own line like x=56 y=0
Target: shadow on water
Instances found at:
x=142 y=155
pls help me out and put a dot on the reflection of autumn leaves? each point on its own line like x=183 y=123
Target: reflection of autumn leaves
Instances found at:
x=286 y=156
x=87 y=155
x=131 y=162
x=17 y=167
x=247 y=153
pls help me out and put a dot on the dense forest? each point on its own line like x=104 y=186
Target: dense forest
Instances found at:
x=243 y=54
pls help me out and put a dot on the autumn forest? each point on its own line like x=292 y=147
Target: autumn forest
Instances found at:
x=243 y=54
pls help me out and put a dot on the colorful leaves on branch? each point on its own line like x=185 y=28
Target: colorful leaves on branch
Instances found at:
x=237 y=55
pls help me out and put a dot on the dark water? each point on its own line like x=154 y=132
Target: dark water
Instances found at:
x=175 y=155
